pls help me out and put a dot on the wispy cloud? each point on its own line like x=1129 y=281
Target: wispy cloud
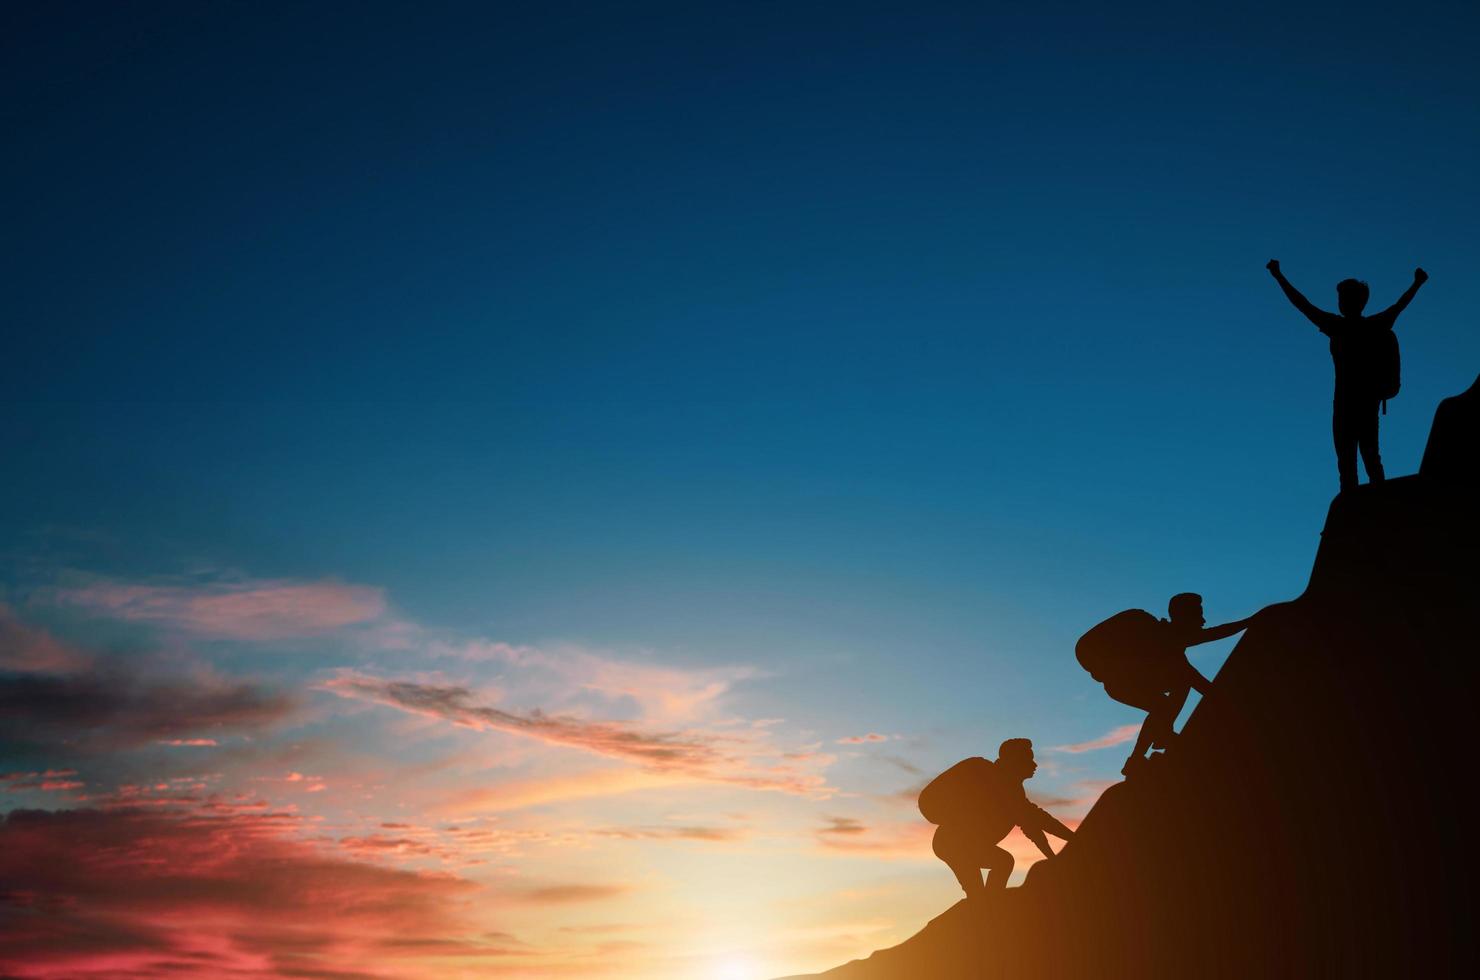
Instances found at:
x=567 y=894
x=649 y=693
x=1116 y=736
x=905 y=840
x=712 y=835
x=49 y=781
x=738 y=759
x=252 y=610
x=863 y=739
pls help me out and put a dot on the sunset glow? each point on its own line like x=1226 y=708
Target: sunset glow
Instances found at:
x=535 y=491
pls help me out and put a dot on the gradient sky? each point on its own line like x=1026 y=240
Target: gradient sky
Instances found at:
x=532 y=492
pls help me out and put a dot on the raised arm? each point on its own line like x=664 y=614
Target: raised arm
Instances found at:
x=1312 y=312
x=1419 y=278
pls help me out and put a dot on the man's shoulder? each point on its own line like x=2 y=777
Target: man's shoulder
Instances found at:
x=1330 y=323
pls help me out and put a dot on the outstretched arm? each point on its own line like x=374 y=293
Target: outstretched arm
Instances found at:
x=1038 y=820
x=1312 y=312
x=1041 y=842
x=1419 y=278
x=1220 y=632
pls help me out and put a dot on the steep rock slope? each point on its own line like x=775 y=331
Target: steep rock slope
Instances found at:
x=1311 y=820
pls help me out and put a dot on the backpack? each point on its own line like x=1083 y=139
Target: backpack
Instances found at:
x=1120 y=645
x=1386 y=367
x=959 y=792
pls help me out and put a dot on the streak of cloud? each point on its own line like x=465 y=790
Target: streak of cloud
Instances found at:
x=711 y=757
x=568 y=894
x=1116 y=736
x=253 y=610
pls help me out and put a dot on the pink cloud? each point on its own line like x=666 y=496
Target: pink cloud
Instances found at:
x=863 y=739
x=50 y=781
x=1117 y=736
x=195 y=742
x=27 y=650
x=93 y=893
x=260 y=610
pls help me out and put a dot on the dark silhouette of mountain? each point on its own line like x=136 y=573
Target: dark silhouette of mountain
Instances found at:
x=1310 y=820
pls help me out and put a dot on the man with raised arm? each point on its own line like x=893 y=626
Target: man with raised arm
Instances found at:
x=1356 y=348
x=977 y=803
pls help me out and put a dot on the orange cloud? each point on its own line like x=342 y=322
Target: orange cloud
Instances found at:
x=863 y=739
x=518 y=794
x=258 y=610
x=908 y=840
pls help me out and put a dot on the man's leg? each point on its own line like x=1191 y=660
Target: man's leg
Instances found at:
x=1164 y=718
x=1365 y=422
x=969 y=878
x=999 y=864
x=949 y=846
x=1147 y=701
x=1344 y=435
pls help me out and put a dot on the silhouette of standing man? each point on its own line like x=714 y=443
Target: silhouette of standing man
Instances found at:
x=1354 y=345
x=989 y=802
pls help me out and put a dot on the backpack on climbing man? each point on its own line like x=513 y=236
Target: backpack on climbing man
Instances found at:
x=960 y=792
x=1120 y=646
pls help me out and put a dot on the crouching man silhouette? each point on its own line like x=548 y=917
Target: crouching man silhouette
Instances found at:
x=977 y=803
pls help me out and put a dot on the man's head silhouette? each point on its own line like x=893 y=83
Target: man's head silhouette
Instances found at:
x=1186 y=610
x=1015 y=758
x=1351 y=297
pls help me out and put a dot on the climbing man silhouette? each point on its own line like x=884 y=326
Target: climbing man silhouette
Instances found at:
x=1354 y=346
x=980 y=803
x=1164 y=677
x=1158 y=677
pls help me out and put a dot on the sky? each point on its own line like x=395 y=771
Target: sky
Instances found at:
x=534 y=491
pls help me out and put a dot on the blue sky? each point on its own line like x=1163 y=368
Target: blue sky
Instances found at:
x=876 y=350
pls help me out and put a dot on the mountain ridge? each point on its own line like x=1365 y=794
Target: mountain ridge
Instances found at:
x=1306 y=821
